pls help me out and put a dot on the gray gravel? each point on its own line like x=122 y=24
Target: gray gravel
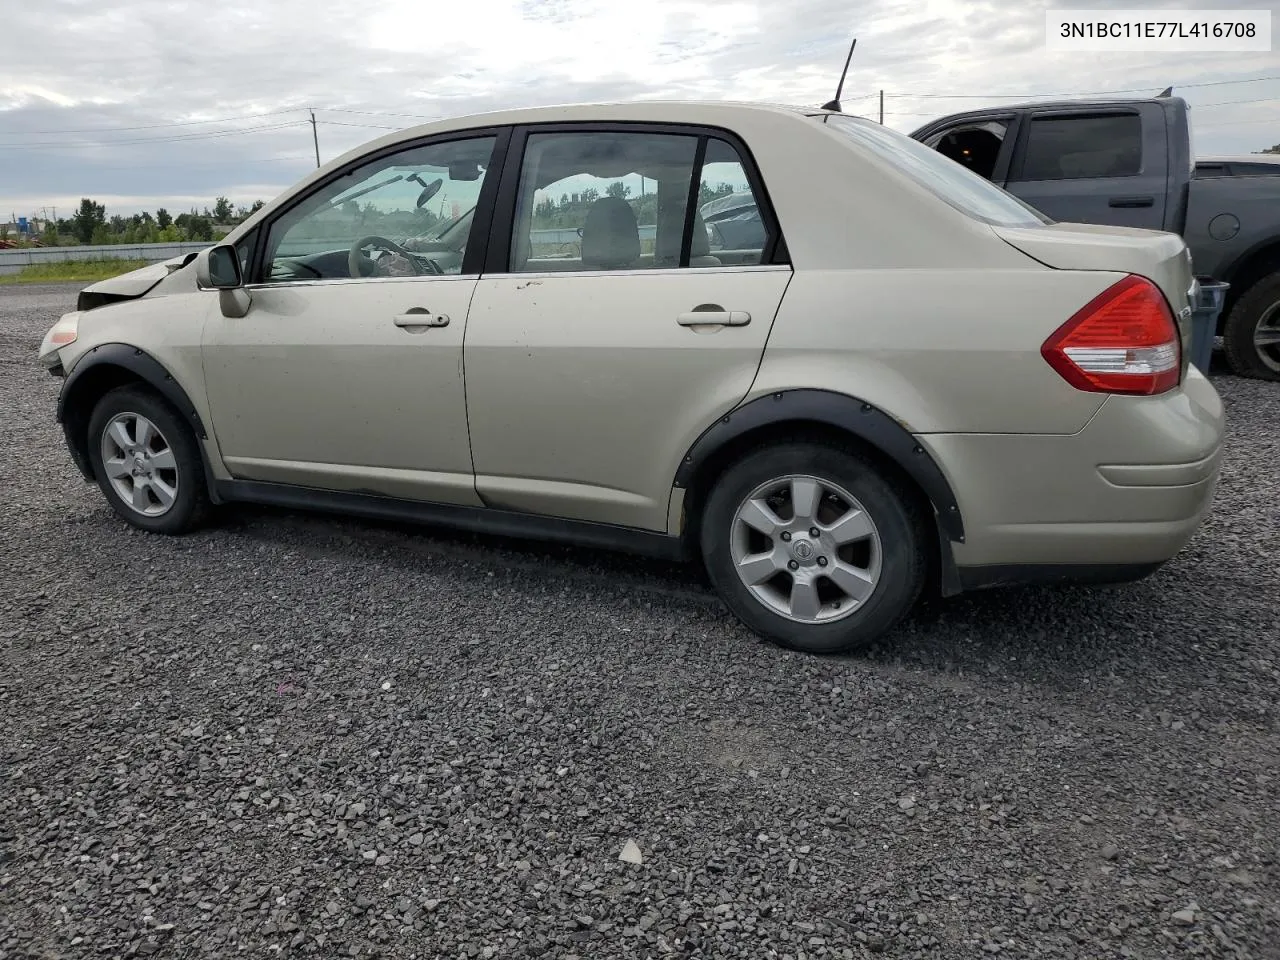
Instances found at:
x=293 y=735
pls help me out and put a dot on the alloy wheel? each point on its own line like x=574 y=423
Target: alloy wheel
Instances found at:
x=140 y=464
x=1266 y=337
x=806 y=548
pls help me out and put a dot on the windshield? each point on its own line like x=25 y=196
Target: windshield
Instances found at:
x=946 y=179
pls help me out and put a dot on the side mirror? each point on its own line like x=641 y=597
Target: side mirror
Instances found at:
x=218 y=268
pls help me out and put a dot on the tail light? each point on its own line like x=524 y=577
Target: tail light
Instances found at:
x=1124 y=340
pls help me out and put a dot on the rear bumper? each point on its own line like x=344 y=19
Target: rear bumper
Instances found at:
x=1120 y=497
x=1024 y=574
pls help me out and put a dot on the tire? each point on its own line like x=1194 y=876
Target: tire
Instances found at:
x=1258 y=308
x=889 y=560
x=167 y=466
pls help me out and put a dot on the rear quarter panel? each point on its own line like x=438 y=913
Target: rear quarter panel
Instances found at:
x=941 y=350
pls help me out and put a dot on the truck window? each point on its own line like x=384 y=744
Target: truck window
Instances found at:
x=973 y=145
x=1083 y=147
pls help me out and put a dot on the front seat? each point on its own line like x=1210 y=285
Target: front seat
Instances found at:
x=667 y=249
x=610 y=235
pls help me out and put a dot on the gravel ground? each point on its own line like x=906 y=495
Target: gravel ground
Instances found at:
x=293 y=735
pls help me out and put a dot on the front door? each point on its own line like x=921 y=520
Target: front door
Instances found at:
x=346 y=373
x=611 y=336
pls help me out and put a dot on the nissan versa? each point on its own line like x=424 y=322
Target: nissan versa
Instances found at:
x=519 y=323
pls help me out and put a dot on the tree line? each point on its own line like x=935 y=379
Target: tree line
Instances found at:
x=91 y=225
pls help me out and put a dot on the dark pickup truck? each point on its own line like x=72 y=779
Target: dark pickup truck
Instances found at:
x=1130 y=163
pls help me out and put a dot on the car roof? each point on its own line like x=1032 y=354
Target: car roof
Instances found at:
x=671 y=111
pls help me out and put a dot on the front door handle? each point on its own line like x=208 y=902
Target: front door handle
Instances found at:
x=421 y=317
x=1132 y=202
x=713 y=315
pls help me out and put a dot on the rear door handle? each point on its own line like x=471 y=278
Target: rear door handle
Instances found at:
x=421 y=317
x=1132 y=202
x=716 y=317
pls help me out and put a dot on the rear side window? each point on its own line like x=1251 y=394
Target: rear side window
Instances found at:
x=949 y=181
x=1081 y=148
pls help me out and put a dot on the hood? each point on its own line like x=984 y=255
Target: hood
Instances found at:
x=131 y=285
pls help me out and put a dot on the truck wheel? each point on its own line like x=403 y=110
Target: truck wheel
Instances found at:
x=1251 y=334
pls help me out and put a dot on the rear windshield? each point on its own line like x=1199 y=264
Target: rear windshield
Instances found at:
x=949 y=181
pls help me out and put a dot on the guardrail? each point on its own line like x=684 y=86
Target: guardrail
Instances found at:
x=12 y=261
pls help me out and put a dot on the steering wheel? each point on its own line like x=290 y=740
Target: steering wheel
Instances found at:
x=361 y=266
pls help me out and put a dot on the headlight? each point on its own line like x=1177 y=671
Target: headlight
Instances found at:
x=61 y=334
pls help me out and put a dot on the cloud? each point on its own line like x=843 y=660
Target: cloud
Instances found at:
x=120 y=99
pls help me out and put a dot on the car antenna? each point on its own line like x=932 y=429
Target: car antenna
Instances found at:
x=1167 y=92
x=835 y=104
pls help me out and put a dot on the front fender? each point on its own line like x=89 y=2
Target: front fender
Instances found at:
x=105 y=367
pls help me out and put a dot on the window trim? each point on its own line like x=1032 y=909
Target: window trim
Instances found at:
x=1018 y=165
x=477 y=239
x=502 y=223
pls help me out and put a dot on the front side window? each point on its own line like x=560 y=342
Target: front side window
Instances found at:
x=1077 y=148
x=405 y=214
x=949 y=181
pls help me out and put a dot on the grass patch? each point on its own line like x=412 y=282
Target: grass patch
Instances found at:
x=66 y=271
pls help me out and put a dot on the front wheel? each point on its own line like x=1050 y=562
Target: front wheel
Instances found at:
x=146 y=461
x=812 y=548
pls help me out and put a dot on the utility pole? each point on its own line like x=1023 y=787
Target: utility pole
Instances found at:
x=315 y=138
x=882 y=108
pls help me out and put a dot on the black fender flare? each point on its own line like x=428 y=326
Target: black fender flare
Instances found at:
x=141 y=365
x=843 y=412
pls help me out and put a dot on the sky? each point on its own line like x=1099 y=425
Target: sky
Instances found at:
x=146 y=103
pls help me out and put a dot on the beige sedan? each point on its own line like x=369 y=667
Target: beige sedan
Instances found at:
x=905 y=379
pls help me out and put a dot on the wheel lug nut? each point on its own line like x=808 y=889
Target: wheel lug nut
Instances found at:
x=793 y=565
x=822 y=561
x=814 y=532
x=786 y=536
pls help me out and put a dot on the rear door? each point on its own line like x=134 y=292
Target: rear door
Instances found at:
x=606 y=334
x=1094 y=165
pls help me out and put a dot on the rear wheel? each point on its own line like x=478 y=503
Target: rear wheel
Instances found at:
x=812 y=548
x=1251 y=335
x=146 y=461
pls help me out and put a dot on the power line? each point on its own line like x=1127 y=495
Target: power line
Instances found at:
x=1236 y=123
x=1092 y=93
x=377 y=113
x=189 y=123
x=185 y=165
x=207 y=135
x=371 y=126
x=1228 y=103
x=153 y=126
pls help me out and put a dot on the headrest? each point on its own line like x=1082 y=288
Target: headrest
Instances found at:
x=610 y=235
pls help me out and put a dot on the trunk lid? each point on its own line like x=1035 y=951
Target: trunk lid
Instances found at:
x=1163 y=258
